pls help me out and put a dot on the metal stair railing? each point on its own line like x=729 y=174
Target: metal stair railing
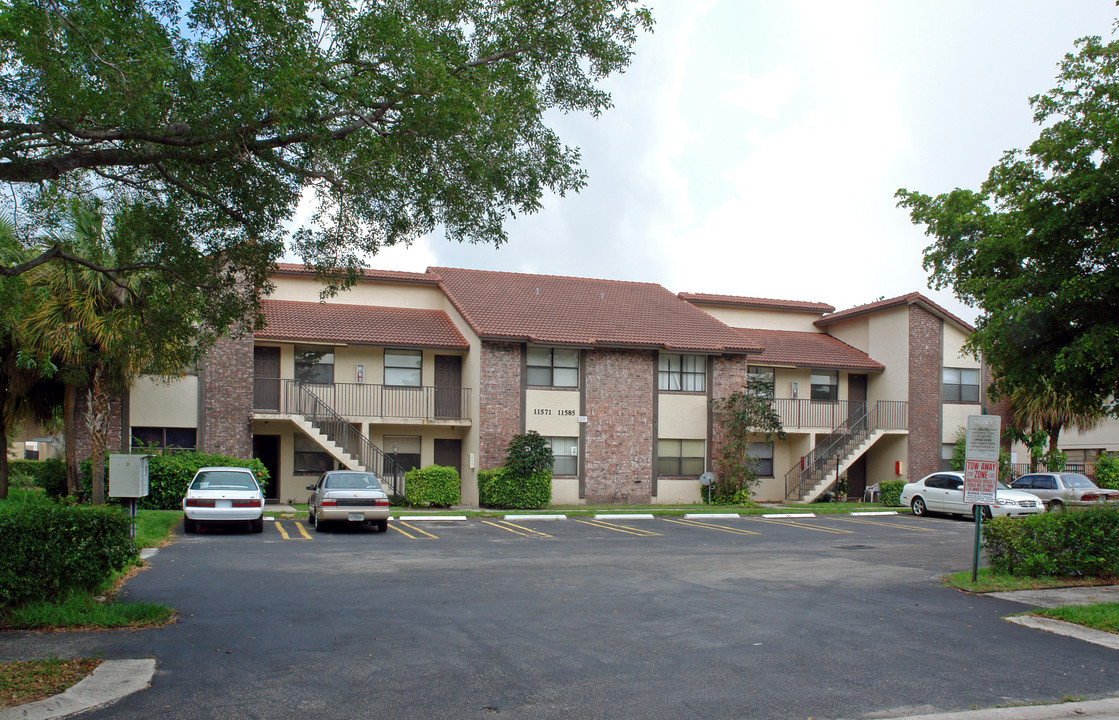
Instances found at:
x=839 y=443
x=323 y=418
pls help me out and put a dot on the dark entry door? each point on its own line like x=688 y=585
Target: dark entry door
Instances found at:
x=266 y=448
x=448 y=453
x=266 y=384
x=448 y=386
x=856 y=398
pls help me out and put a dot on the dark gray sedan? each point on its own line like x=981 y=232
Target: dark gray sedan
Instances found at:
x=348 y=496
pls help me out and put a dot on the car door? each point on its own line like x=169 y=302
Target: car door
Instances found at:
x=937 y=495
x=954 y=496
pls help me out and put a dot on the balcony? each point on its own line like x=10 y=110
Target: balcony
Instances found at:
x=373 y=403
x=798 y=414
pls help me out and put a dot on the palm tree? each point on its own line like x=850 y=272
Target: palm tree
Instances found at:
x=94 y=326
x=1044 y=407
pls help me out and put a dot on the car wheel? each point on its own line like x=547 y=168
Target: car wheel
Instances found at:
x=189 y=526
x=918 y=506
x=258 y=525
x=1055 y=506
x=319 y=525
x=382 y=526
x=985 y=511
x=310 y=518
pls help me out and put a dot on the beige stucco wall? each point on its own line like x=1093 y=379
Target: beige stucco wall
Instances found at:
x=386 y=294
x=884 y=336
x=672 y=491
x=682 y=416
x=762 y=319
x=154 y=403
x=565 y=491
x=953 y=348
x=552 y=413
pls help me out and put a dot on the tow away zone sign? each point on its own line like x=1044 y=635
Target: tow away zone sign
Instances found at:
x=981 y=467
x=979 y=481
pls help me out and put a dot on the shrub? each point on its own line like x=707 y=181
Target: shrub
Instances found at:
x=890 y=492
x=434 y=486
x=501 y=488
x=1107 y=471
x=528 y=454
x=1063 y=544
x=48 y=474
x=48 y=550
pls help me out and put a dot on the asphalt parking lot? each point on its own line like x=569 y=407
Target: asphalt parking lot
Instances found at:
x=827 y=617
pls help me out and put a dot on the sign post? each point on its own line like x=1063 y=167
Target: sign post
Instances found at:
x=981 y=472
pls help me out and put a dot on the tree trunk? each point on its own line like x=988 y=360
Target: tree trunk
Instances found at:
x=97 y=422
x=69 y=409
x=4 y=461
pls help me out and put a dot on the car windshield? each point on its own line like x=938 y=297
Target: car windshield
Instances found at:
x=222 y=480
x=356 y=481
x=1002 y=485
x=1077 y=480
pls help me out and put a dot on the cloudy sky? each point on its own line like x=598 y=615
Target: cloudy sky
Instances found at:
x=755 y=146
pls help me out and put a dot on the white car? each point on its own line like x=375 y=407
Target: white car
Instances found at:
x=223 y=495
x=943 y=492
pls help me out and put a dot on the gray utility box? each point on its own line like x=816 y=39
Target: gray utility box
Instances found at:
x=128 y=476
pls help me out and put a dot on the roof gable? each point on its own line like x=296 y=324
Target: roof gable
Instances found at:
x=913 y=298
x=587 y=312
x=359 y=325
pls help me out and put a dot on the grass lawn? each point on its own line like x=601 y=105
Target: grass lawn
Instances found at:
x=1101 y=616
x=987 y=581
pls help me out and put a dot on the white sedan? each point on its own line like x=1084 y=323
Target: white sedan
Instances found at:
x=223 y=495
x=943 y=492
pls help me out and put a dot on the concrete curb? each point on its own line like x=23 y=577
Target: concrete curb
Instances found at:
x=1060 y=627
x=111 y=681
x=533 y=517
x=1106 y=709
x=624 y=516
x=430 y=518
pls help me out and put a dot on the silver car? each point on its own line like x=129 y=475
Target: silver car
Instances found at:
x=944 y=492
x=348 y=496
x=1061 y=489
x=223 y=495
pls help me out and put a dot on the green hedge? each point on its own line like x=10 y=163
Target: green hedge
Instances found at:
x=48 y=474
x=500 y=488
x=1063 y=544
x=169 y=475
x=889 y=491
x=49 y=549
x=432 y=486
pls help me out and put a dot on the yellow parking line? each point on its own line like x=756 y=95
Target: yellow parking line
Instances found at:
x=805 y=526
x=509 y=527
x=280 y=527
x=393 y=526
x=889 y=524
x=302 y=530
x=413 y=528
x=618 y=528
x=711 y=526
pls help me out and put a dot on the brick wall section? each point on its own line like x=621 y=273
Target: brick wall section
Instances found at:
x=226 y=378
x=499 y=400
x=619 y=430
x=925 y=356
x=728 y=376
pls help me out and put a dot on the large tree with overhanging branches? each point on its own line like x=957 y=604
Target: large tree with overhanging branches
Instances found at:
x=1036 y=247
x=217 y=117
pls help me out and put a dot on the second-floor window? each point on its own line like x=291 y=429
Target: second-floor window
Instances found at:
x=763 y=376
x=404 y=367
x=314 y=364
x=825 y=385
x=961 y=385
x=682 y=372
x=553 y=367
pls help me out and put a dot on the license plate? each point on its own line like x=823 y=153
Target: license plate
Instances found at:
x=224 y=504
x=357 y=517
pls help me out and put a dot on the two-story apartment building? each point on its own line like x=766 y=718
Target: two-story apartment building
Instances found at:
x=444 y=367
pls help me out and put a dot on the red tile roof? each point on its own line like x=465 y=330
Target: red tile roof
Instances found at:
x=359 y=325
x=369 y=274
x=913 y=298
x=753 y=302
x=808 y=349
x=584 y=311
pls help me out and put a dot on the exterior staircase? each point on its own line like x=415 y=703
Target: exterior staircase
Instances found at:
x=837 y=451
x=338 y=437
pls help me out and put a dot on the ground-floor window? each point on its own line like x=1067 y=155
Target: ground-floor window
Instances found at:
x=164 y=438
x=565 y=454
x=404 y=449
x=310 y=458
x=680 y=458
x=763 y=455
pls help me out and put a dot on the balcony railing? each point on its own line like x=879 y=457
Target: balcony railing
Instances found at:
x=363 y=400
x=795 y=413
